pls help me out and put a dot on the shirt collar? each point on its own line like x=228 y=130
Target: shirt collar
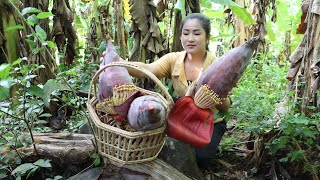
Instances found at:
x=178 y=69
x=179 y=65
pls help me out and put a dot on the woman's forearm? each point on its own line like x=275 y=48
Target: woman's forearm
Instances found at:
x=136 y=73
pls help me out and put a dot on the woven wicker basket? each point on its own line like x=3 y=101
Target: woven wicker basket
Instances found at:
x=125 y=145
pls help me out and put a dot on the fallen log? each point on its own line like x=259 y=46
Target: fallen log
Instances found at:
x=69 y=148
x=73 y=153
x=157 y=169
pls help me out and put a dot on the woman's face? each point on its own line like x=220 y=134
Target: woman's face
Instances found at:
x=193 y=37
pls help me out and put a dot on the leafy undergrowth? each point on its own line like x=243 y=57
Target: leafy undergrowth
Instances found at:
x=53 y=107
x=264 y=140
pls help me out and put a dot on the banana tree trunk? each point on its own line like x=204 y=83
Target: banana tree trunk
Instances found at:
x=9 y=40
x=305 y=63
x=100 y=29
x=121 y=34
x=240 y=28
x=63 y=32
x=259 y=9
x=147 y=35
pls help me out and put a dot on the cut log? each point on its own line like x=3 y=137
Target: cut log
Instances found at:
x=70 y=148
x=157 y=169
x=73 y=151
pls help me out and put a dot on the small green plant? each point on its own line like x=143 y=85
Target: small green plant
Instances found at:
x=299 y=140
x=96 y=159
x=79 y=83
x=28 y=169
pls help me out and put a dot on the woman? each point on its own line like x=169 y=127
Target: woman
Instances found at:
x=184 y=68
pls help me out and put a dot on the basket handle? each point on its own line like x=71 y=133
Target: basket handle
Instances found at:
x=138 y=68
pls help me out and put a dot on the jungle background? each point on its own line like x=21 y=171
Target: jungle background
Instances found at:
x=50 y=50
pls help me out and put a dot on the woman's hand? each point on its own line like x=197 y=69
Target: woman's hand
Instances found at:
x=103 y=53
x=191 y=89
x=226 y=103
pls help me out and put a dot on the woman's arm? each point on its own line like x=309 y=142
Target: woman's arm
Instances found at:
x=138 y=74
x=226 y=103
x=160 y=68
x=224 y=107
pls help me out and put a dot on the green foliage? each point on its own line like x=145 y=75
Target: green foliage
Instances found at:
x=80 y=82
x=255 y=99
x=10 y=28
x=42 y=35
x=299 y=136
x=55 y=178
x=271 y=35
x=287 y=20
x=258 y=92
x=22 y=114
x=180 y=6
x=44 y=15
x=238 y=10
x=50 y=87
x=30 y=168
x=28 y=10
x=5 y=80
x=38 y=34
x=5 y=70
x=243 y=14
x=226 y=2
x=25 y=110
x=5 y=85
x=299 y=125
x=32 y=20
x=96 y=159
